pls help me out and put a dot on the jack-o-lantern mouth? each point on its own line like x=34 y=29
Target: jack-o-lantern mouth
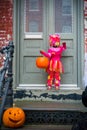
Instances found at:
x=14 y=121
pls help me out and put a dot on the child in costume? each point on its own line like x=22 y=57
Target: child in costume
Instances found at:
x=55 y=67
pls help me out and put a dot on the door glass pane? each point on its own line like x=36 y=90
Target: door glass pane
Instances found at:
x=63 y=16
x=33 y=15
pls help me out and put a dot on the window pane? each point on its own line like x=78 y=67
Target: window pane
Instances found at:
x=33 y=5
x=33 y=16
x=63 y=16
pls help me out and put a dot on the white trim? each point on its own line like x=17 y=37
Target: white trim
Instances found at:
x=43 y=86
x=33 y=36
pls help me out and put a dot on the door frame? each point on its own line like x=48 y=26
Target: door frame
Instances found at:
x=80 y=42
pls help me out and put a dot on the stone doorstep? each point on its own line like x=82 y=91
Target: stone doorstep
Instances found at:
x=72 y=96
x=49 y=100
x=44 y=105
x=39 y=91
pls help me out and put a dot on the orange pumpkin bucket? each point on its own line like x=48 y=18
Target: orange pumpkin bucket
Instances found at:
x=42 y=62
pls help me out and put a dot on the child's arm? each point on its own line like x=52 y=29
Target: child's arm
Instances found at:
x=45 y=53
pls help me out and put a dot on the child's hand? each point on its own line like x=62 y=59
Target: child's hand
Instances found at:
x=41 y=51
x=64 y=44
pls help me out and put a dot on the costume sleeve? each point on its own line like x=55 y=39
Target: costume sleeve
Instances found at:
x=45 y=53
x=63 y=47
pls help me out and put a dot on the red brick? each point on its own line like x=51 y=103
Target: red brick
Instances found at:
x=6 y=20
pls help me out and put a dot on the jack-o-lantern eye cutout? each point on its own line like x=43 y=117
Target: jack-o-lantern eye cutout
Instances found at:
x=14 y=117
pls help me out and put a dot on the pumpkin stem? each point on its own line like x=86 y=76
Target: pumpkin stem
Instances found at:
x=13 y=104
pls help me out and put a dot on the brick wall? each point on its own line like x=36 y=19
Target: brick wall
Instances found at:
x=85 y=24
x=6 y=26
x=85 y=43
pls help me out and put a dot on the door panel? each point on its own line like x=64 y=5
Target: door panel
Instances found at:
x=32 y=42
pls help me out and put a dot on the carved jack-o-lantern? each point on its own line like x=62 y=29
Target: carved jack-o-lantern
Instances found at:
x=13 y=117
x=42 y=62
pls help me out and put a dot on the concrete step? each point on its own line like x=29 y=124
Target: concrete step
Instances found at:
x=41 y=112
x=46 y=95
x=49 y=105
x=41 y=127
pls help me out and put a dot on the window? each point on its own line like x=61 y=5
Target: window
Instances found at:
x=66 y=7
x=63 y=16
x=33 y=26
x=33 y=20
x=33 y=5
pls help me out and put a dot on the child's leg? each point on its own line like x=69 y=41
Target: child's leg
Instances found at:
x=50 y=80
x=57 y=80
